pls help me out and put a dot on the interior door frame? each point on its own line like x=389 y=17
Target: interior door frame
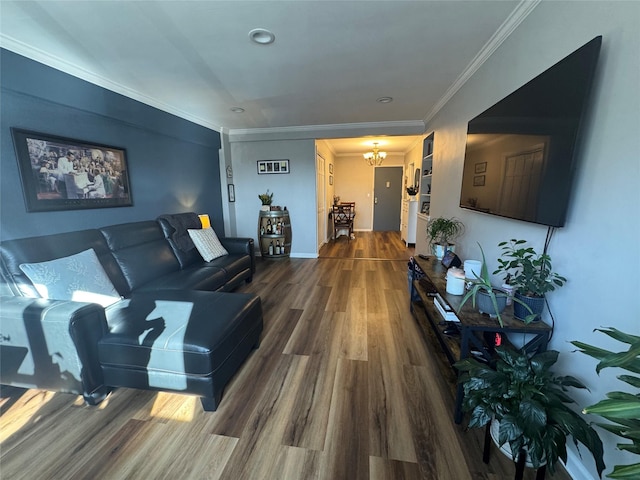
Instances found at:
x=321 y=201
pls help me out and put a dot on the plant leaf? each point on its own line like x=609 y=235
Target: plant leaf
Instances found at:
x=622 y=359
x=630 y=379
x=618 y=335
x=616 y=408
x=626 y=471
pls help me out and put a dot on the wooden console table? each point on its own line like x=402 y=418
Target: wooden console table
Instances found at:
x=473 y=326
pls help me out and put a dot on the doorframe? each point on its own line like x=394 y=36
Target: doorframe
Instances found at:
x=321 y=213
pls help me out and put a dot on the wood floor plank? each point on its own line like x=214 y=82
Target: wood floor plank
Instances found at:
x=389 y=419
x=385 y=469
x=309 y=418
x=347 y=443
x=354 y=332
x=257 y=450
x=431 y=422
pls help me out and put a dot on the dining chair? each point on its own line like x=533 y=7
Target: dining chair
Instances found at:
x=343 y=215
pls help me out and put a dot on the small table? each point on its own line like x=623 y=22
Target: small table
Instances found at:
x=473 y=325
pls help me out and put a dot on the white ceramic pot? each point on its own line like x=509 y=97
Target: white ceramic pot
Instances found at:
x=265 y=208
x=472 y=269
x=441 y=250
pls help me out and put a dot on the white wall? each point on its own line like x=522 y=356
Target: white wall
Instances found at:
x=295 y=190
x=598 y=249
x=354 y=183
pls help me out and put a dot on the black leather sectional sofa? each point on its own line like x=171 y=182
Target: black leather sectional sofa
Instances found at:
x=176 y=327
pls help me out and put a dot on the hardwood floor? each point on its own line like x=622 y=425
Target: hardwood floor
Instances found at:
x=372 y=245
x=343 y=386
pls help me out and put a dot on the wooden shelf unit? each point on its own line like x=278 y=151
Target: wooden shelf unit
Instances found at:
x=472 y=325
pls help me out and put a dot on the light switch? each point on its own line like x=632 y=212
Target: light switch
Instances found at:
x=388 y=184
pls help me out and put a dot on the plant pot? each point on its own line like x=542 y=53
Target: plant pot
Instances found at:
x=265 y=208
x=440 y=250
x=536 y=304
x=505 y=448
x=485 y=305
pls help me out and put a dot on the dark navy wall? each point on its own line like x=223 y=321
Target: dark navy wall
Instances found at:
x=173 y=163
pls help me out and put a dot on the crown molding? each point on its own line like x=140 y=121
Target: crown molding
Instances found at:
x=339 y=130
x=64 y=66
x=522 y=11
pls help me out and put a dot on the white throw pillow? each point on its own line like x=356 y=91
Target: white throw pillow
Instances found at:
x=79 y=277
x=207 y=243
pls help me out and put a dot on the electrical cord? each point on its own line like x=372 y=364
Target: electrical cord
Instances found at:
x=547 y=241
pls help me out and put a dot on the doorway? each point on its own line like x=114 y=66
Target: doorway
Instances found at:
x=387 y=198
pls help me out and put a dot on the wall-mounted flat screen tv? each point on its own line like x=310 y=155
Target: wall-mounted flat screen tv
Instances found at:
x=520 y=154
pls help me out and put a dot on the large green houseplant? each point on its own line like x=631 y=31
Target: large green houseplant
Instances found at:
x=530 y=273
x=531 y=404
x=441 y=232
x=622 y=409
x=491 y=300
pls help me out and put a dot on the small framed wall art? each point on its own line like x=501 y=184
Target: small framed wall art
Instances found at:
x=480 y=167
x=273 y=166
x=478 y=181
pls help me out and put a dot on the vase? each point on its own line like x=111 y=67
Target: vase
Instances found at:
x=536 y=304
x=485 y=305
x=441 y=250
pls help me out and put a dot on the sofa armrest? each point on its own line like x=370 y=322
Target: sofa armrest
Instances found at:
x=240 y=245
x=52 y=344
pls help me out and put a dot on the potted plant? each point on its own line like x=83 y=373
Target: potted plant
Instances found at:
x=491 y=300
x=530 y=404
x=530 y=273
x=620 y=408
x=266 y=199
x=441 y=232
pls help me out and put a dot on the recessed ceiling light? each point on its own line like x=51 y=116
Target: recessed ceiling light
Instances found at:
x=237 y=109
x=385 y=100
x=261 y=36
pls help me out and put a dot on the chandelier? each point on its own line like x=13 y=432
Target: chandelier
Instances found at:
x=376 y=157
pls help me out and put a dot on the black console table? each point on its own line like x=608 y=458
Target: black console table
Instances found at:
x=475 y=330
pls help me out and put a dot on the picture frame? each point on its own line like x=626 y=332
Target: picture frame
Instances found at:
x=231 y=190
x=330 y=179
x=480 y=167
x=331 y=168
x=478 y=180
x=425 y=207
x=273 y=166
x=59 y=173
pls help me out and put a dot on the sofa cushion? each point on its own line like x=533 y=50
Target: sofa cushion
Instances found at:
x=232 y=264
x=195 y=278
x=141 y=251
x=207 y=243
x=174 y=227
x=49 y=247
x=78 y=277
x=183 y=332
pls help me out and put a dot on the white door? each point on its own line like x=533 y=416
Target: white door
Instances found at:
x=321 y=189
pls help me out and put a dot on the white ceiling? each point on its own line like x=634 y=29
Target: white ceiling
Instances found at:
x=329 y=63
